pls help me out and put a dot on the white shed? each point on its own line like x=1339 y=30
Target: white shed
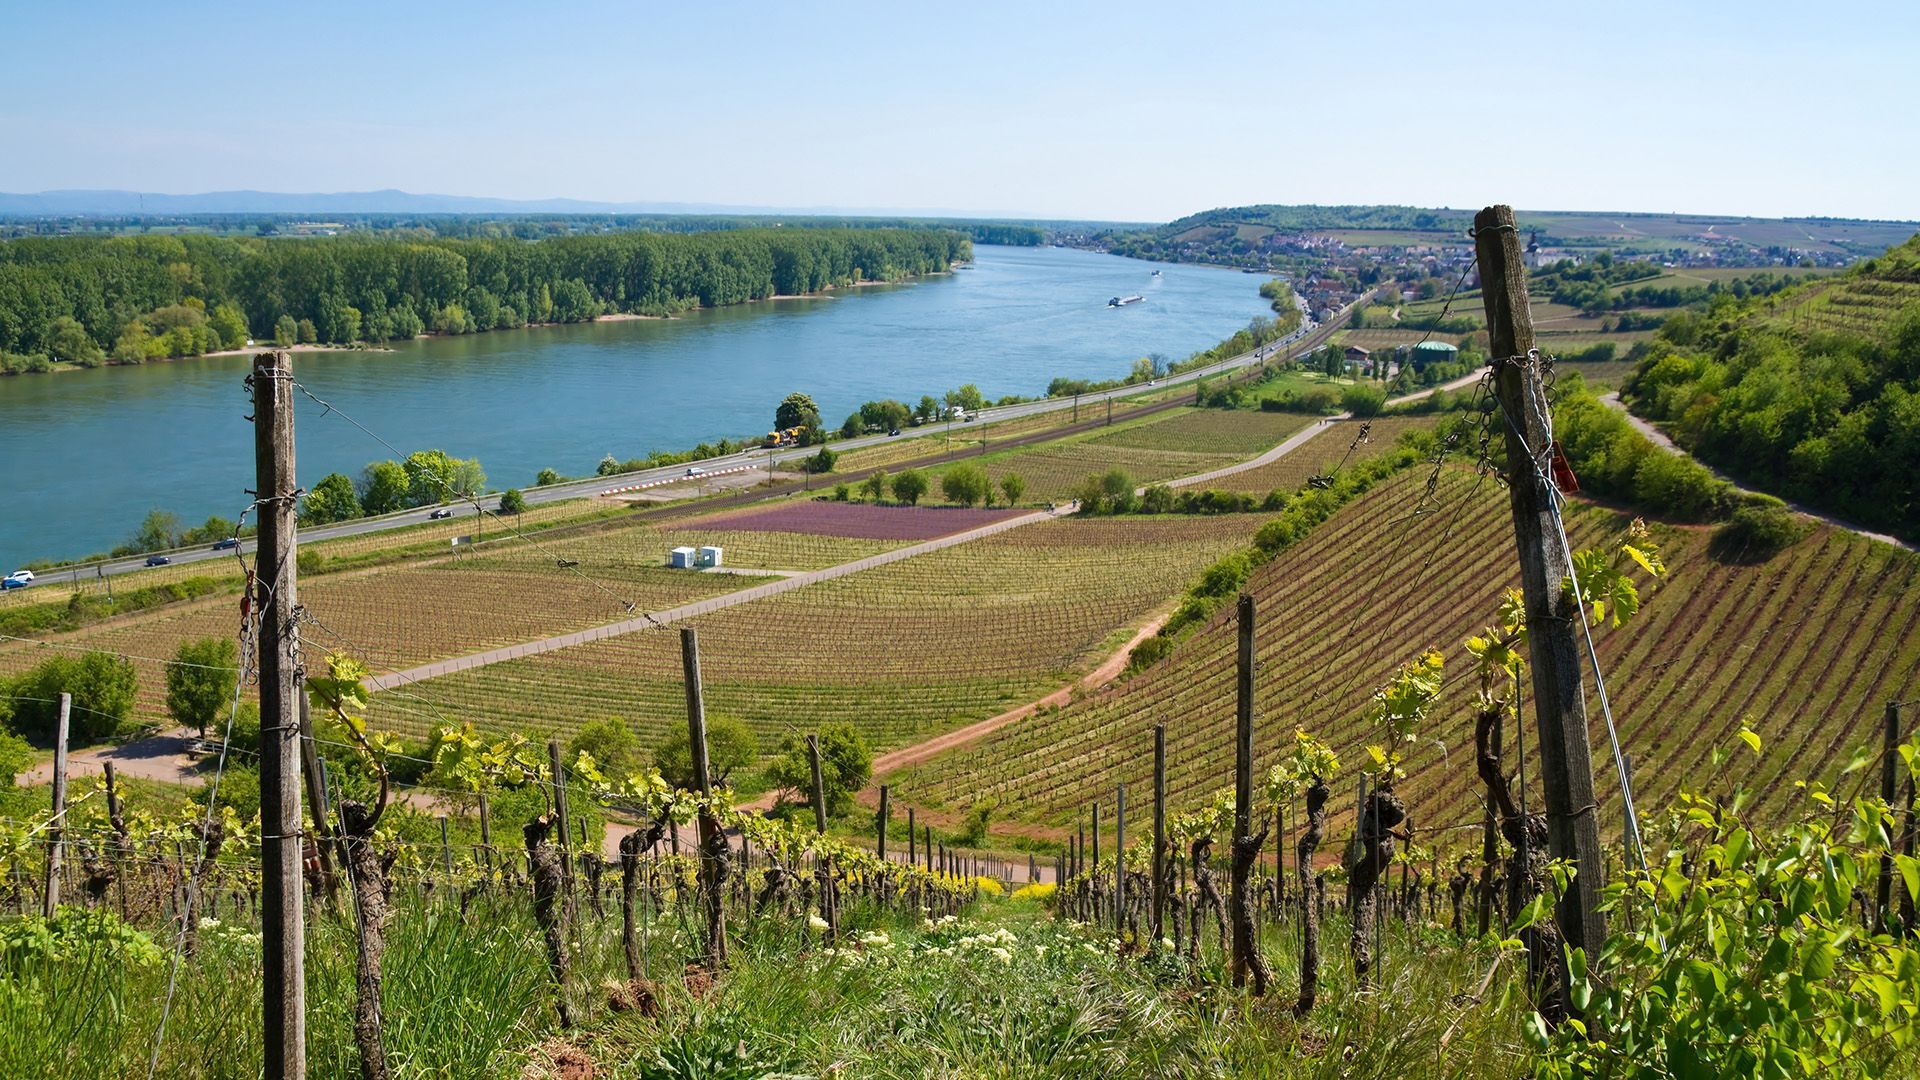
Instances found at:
x=681 y=558
x=710 y=556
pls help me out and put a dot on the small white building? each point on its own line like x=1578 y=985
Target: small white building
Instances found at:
x=710 y=556
x=682 y=558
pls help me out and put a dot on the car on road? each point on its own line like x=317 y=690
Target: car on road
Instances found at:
x=19 y=578
x=226 y=544
x=893 y=432
x=158 y=560
x=695 y=471
x=443 y=512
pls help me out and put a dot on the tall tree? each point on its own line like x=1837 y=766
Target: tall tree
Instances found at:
x=201 y=681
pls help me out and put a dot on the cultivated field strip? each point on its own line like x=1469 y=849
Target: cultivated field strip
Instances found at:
x=1322 y=453
x=1803 y=649
x=1240 y=432
x=902 y=650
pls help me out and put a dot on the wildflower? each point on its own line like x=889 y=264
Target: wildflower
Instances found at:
x=1001 y=955
x=817 y=924
x=1040 y=952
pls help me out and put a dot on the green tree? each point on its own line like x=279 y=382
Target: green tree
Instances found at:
x=435 y=476
x=305 y=333
x=159 y=531
x=285 y=331
x=821 y=462
x=845 y=767
x=927 y=409
x=231 y=324
x=102 y=686
x=201 y=681
x=68 y=340
x=614 y=746
x=1116 y=486
x=797 y=410
x=875 y=486
x=332 y=499
x=512 y=502
x=909 y=486
x=1363 y=400
x=965 y=484
x=547 y=477
x=968 y=397
x=384 y=488
x=731 y=745
x=1014 y=485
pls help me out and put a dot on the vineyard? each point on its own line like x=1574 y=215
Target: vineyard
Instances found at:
x=1332 y=447
x=1801 y=649
x=901 y=651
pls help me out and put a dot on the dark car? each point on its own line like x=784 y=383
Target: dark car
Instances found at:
x=158 y=560
x=443 y=512
x=227 y=544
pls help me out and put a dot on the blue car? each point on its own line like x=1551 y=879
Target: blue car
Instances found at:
x=227 y=544
x=158 y=560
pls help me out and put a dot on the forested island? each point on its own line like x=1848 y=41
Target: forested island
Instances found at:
x=128 y=299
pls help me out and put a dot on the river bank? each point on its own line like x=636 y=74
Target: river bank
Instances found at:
x=58 y=366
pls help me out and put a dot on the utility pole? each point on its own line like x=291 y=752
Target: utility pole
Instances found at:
x=282 y=911
x=1552 y=615
x=57 y=827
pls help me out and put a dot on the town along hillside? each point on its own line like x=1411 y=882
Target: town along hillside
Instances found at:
x=1812 y=394
x=1803 y=648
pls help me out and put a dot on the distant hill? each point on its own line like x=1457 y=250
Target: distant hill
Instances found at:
x=1405 y=225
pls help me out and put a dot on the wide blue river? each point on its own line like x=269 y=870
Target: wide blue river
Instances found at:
x=85 y=454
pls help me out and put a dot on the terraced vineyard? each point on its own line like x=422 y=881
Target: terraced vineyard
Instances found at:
x=902 y=650
x=1239 y=432
x=1804 y=649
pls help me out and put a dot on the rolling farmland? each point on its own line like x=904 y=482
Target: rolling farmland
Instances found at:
x=902 y=651
x=1804 y=649
x=1322 y=453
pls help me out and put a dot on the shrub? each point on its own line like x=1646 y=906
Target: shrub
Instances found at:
x=1039 y=892
x=1158 y=499
x=1757 y=531
x=1363 y=400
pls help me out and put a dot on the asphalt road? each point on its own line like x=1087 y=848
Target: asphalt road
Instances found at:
x=1307 y=336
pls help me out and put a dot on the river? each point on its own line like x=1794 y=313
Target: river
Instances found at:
x=85 y=454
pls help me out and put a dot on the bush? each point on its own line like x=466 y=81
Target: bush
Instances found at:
x=1758 y=531
x=1158 y=499
x=1363 y=400
x=1040 y=892
x=842 y=492
x=966 y=484
x=102 y=686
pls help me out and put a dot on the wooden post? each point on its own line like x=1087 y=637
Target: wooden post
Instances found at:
x=1889 y=791
x=316 y=797
x=926 y=846
x=1119 y=856
x=713 y=840
x=562 y=838
x=1245 y=846
x=283 y=909
x=1552 y=616
x=446 y=855
x=1093 y=867
x=819 y=787
x=880 y=844
x=56 y=829
x=1159 y=833
x=486 y=836
x=913 y=854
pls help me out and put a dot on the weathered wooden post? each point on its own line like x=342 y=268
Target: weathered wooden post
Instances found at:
x=283 y=908
x=561 y=837
x=56 y=826
x=1246 y=844
x=1119 y=857
x=823 y=871
x=714 y=853
x=913 y=856
x=1552 y=615
x=1159 y=833
x=880 y=843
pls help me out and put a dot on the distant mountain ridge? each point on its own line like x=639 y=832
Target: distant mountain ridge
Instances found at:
x=115 y=203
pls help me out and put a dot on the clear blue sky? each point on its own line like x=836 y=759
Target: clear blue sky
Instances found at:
x=1110 y=110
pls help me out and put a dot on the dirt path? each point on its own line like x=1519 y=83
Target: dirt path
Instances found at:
x=1660 y=439
x=166 y=756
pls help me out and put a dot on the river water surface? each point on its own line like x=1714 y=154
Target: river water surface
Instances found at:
x=85 y=454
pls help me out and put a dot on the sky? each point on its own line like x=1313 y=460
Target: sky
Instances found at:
x=1111 y=111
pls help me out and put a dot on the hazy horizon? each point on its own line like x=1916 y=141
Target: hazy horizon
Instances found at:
x=1112 y=112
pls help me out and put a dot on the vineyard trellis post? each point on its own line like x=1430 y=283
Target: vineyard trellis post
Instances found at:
x=316 y=798
x=1246 y=845
x=880 y=842
x=1119 y=857
x=1093 y=866
x=283 y=911
x=823 y=869
x=1889 y=791
x=713 y=840
x=56 y=827
x=562 y=839
x=1552 y=615
x=913 y=855
x=1159 y=833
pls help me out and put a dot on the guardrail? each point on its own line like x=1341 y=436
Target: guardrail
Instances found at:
x=701 y=475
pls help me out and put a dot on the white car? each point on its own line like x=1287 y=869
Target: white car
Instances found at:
x=21 y=577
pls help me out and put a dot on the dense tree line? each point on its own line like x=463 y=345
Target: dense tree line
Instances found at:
x=78 y=299
x=1590 y=286
x=1829 y=418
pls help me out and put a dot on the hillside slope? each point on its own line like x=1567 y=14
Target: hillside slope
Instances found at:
x=1805 y=649
x=1813 y=394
